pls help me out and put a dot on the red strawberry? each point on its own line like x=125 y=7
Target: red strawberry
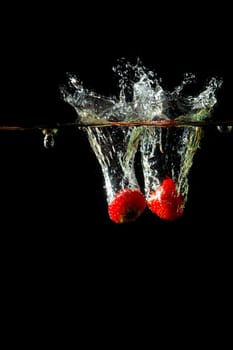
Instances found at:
x=126 y=206
x=166 y=202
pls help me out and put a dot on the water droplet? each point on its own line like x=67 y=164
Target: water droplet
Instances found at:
x=49 y=141
x=224 y=128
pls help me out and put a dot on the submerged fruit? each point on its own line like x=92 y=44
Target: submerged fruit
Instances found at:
x=126 y=206
x=166 y=202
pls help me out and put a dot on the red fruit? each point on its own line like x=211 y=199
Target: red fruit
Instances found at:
x=126 y=206
x=166 y=202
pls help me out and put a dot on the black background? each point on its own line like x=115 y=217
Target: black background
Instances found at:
x=52 y=201
x=64 y=264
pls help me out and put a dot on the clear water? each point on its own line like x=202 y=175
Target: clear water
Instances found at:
x=164 y=151
x=168 y=152
x=115 y=149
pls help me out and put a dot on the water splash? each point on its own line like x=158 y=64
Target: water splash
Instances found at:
x=166 y=153
x=141 y=97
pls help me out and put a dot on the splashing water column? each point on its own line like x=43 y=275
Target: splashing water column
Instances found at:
x=167 y=156
x=116 y=158
x=167 y=153
x=114 y=147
